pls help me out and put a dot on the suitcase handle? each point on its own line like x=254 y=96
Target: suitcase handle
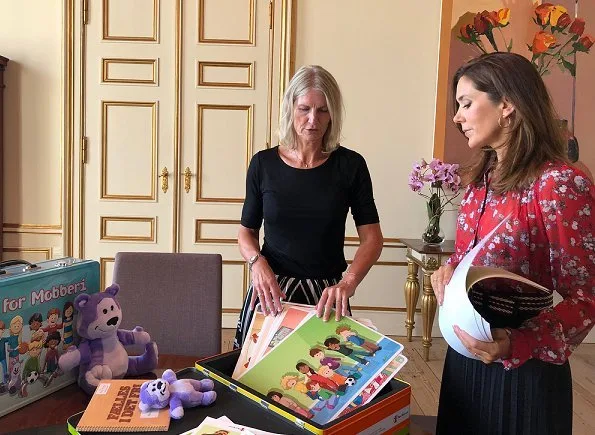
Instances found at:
x=9 y=263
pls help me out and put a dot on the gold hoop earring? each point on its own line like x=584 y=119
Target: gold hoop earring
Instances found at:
x=500 y=122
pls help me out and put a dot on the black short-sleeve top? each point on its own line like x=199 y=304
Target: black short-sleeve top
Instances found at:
x=304 y=210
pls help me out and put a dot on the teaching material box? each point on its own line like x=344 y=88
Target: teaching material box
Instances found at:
x=37 y=319
x=387 y=413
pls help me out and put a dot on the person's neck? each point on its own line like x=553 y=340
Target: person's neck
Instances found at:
x=308 y=153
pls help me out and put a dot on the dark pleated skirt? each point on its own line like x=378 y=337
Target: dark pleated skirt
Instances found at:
x=478 y=398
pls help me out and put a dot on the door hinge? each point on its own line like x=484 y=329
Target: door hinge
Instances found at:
x=270 y=15
x=84 y=142
x=85 y=12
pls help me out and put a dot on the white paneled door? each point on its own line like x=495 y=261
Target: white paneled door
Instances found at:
x=177 y=96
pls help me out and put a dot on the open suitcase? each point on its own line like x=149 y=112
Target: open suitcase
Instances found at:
x=37 y=321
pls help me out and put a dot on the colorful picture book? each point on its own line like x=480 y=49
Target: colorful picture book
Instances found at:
x=224 y=426
x=319 y=370
x=114 y=408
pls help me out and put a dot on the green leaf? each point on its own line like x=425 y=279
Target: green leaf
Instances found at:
x=580 y=47
x=509 y=48
x=571 y=67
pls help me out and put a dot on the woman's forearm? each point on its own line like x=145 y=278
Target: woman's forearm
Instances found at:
x=367 y=253
x=248 y=242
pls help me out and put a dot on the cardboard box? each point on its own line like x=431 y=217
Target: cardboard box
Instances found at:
x=388 y=413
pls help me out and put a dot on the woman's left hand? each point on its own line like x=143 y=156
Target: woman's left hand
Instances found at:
x=337 y=295
x=486 y=351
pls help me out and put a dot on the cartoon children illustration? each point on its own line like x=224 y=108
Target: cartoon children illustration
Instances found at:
x=329 y=374
x=350 y=335
x=31 y=370
x=324 y=382
x=335 y=363
x=50 y=365
x=325 y=397
x=5 y=373
x=333 y=343
x=35 y=322
x=67 y=319
x=289 y=403
x=292 y=381
x=52 y=319
x=14 y=341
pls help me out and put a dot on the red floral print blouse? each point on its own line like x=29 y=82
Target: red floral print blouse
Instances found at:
x=549 y=239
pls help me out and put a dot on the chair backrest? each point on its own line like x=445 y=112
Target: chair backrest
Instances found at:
x=176 y=298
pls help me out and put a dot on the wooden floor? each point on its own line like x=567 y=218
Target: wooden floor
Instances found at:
x=424 y=378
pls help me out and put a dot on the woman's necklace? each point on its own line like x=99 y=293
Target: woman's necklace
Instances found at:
x=300 y=160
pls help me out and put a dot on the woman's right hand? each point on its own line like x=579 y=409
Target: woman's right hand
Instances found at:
x=439 y=279
x=265 y=288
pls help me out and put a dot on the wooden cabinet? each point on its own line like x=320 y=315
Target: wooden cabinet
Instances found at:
x=3 y=62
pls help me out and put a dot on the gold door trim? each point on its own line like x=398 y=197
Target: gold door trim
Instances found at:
x=246 y=277
x=387 y=242
x=104 y=126
x=248 y=154
x=177 y=126
x=103 y=261
x=152 y=38
x=46 y=251
x=106 y=62
x=200 y=81
x=32 y=228
x=82 y=125
x=198 y=227
x=67 y=167
x=201 y=28
x=105 y=220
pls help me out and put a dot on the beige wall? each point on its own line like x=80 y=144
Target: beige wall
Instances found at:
x=384 y=54
x=31 y=37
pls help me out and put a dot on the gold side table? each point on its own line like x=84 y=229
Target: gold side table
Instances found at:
x=429 y=258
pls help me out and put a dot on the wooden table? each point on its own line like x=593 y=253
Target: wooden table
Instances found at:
x=49 y=414
x=429 y=258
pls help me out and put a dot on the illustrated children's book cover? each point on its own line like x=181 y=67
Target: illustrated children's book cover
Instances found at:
x=114 y=408
x=320 y=368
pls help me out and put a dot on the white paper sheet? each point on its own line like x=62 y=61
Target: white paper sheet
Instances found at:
x=457 y=309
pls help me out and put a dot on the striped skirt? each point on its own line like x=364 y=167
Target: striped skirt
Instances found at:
x=299 y=291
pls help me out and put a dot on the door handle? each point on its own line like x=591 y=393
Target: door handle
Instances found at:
x=187 y=176
x=164 y=176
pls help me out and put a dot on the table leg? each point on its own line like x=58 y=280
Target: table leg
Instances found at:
x=411 y=296
x=428 y=311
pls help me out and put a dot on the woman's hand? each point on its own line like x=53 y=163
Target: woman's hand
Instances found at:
x=337 y=295
x=439 y=279
x=486 y=351
x=266 y=288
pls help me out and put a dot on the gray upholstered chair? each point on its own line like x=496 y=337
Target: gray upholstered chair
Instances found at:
x=175 y=297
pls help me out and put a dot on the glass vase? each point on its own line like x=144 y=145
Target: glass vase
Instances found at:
x=433 y=234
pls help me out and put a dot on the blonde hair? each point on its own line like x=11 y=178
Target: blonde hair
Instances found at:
x=312 y=77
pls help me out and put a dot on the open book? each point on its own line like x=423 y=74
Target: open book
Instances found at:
x=319 y=370
x=457 y=309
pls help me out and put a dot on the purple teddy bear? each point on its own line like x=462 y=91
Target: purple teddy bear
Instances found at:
x=101 y=353
x=178 y=393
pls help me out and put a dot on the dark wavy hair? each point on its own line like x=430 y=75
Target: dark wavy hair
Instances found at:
x=535 y=136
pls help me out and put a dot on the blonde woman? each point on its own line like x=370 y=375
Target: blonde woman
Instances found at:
x=303 y=190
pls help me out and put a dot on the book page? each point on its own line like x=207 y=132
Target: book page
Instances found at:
x=457 y=309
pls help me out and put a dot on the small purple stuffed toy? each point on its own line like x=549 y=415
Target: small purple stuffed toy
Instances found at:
x=178 y=393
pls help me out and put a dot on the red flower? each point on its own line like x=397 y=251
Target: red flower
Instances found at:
x=485 y=21
x=542 y=13
x=586 y=42
x=577 y=27
x=542 y=42
x=563 y=21
x=467 y=32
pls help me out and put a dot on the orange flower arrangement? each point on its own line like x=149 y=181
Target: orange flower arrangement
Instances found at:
x=556 y=43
